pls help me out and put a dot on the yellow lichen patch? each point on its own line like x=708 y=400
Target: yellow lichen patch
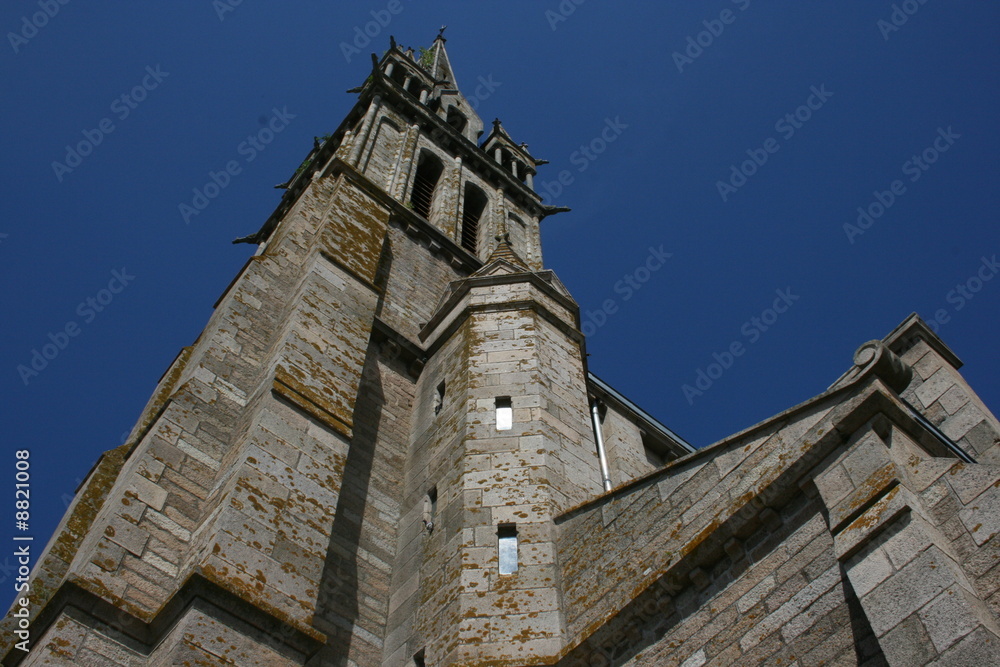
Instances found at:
x=874 y=514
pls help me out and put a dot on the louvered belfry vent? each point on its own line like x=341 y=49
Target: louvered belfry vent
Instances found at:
x=424 y=183
x=475 y=204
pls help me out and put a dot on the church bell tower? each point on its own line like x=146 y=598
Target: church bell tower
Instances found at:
x=386 y=450
x=360 y=458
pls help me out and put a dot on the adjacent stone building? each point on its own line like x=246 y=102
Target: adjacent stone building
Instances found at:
x=386 y=448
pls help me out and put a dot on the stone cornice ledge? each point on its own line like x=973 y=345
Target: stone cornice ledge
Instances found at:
x=294 y=640
x=461 y=288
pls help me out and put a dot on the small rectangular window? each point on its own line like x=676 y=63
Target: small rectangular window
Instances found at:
x=418 y=659
x=507 y=544
x=505 y=414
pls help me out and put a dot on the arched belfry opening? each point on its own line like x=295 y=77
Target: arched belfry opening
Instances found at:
x=457 y=119
x=472 y=211
x=425 y=182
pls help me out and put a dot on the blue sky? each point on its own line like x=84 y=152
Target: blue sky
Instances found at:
x=737 y=137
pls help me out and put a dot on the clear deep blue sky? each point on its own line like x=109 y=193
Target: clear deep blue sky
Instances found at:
x=556 y=84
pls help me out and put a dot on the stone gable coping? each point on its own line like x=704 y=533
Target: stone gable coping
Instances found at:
x=914 y=329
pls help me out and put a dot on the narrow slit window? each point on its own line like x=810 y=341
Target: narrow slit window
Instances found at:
x=507 y=545
x=505 y=414
x=430 y=508
x=439 y=398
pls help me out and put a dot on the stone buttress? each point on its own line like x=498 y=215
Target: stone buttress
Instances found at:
x=502 y=445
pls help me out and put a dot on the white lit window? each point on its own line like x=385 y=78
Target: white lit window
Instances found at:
x=507 y=541
x=505 y=414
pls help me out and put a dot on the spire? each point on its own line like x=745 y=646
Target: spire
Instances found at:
x=440 y=67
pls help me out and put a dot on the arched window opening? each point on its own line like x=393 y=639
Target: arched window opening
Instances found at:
x=516 y=169
x=457 y=119
x=398 y=74
x=472 y=211
x=429 y=170
x=521 y=171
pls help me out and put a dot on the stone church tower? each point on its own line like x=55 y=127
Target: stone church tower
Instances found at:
x=386 y=449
